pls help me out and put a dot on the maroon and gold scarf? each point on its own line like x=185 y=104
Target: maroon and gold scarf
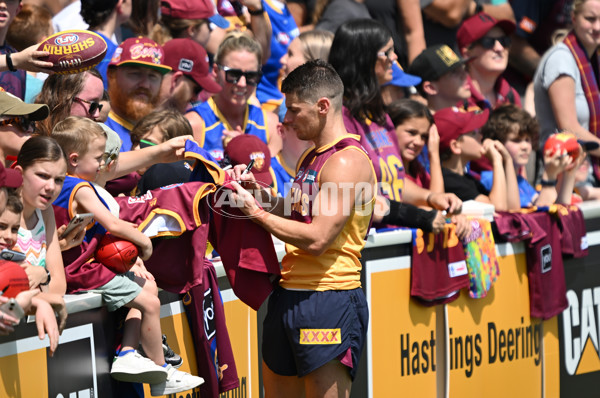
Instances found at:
x=589 y=85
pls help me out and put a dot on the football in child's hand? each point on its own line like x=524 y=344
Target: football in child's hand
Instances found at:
x=73 y=51
x=560 y=142
x=117 y=254
x=13 y=279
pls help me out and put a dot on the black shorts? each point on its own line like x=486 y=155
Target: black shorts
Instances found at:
x=303 y=330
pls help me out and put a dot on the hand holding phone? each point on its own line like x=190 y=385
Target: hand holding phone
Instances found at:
x=12 y=255
x=12 y=308
x=78 y=219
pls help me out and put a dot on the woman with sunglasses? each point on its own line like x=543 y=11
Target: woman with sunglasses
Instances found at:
x=566 y=87
x=364 y=115
x=485 y=42
x=229 y=113
x=79 y=94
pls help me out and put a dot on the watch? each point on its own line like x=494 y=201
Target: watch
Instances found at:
x=47 y=280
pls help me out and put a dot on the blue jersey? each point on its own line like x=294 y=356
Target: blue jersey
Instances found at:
x=282 y=175
x=284 y=31
x=103 y=65
x=122 y=127
x=214 y=123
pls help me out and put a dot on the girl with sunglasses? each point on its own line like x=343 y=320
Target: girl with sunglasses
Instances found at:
x=231 y=112
x=485 y=42
x=567 y=91
x=78 y=94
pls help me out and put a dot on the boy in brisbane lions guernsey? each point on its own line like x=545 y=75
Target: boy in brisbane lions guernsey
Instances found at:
x=317 y=318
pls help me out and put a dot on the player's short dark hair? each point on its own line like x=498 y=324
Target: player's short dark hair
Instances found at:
x=504 y=120
x=313 y=80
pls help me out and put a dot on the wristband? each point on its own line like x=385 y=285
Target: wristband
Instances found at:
x=548 y=183
x=256 y=12
x=9 y=63
x=47 y=280
x=406 y=215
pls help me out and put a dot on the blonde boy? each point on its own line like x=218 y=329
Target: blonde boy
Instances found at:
x=83 y=141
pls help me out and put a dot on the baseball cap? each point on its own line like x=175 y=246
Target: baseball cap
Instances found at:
x=113 y=143
x=189 y=57
x=401 y=78
x=434 y=62
x=193 y=9
x=140 y=51
x=475 y=27
x=245 y=147
x=10 y=178
x=13 y=106
x=452 y=123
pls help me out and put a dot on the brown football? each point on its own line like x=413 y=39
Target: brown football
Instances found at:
x=74 y=51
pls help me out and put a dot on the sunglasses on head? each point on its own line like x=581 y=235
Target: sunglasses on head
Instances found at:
x=234 y=75
x=22 y=121
x=94 y=106
x=489 y=42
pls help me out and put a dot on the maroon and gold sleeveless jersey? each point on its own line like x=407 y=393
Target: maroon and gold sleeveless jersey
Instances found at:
x=339 y=267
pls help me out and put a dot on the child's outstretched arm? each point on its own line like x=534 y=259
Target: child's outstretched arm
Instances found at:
x=566 y=184
x=169 y=151
x=87 y=201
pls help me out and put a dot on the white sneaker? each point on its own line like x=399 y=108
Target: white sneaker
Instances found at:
x=177 y=381
x=135 y=368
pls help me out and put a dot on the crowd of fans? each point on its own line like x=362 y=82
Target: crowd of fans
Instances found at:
x=452 y=101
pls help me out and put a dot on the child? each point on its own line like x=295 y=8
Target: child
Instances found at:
x=84 y=143
x=518 y=131
x=460 y=143
x=42 y=165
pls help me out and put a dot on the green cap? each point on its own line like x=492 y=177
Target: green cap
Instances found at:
x=13 y=106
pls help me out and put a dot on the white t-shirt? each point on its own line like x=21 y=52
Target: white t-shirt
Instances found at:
x=558 y=61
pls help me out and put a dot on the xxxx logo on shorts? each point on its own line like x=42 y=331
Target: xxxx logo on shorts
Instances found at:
x=320 y=336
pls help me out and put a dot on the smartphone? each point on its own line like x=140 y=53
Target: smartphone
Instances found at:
x=78 y=219
x=12 y=308
x=11 y=255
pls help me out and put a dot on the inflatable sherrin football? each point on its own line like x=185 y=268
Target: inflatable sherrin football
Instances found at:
x=13 y=279
x=74 y=51
x=117 y=254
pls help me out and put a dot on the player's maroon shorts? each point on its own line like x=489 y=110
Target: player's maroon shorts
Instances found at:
x=303 y=330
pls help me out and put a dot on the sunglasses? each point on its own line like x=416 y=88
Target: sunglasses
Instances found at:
x=489 y=42
x=234 y=75
x=22 y=121
x=387 y=54
x=94 y=106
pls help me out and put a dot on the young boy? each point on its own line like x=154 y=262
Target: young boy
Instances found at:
x=518 y=131
x=460 y=143
x=83 y=141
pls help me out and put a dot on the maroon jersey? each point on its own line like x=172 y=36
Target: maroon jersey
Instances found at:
x=439 y=269
x=206 y=316
x=573 y=236
x=545 y=269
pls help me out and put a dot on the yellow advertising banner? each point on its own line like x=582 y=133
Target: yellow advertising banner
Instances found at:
x=402 y=333
x=494 y=348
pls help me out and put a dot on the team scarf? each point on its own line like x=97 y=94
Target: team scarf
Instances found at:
x=589 y=85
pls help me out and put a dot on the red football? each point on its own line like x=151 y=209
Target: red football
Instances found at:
x=74 y=51
x=117 y=254
x=13 y=279
x=562 y=142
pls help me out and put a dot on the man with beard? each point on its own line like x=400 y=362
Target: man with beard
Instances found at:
x=134 y=75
